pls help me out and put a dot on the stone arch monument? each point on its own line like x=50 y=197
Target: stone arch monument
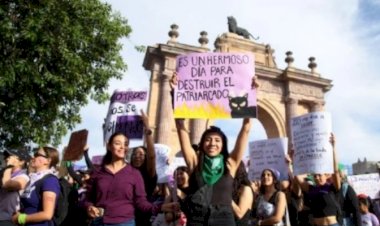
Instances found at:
x=282 y=93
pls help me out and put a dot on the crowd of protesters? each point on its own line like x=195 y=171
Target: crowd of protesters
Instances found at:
x=213 y=188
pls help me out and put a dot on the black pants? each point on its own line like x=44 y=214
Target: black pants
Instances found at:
x=6 y=223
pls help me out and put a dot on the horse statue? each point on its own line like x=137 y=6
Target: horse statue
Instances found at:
x=233 y=28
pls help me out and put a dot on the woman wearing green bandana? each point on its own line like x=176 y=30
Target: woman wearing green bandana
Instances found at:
x=212 y=170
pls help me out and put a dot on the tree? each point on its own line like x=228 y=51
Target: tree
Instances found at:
x=54 y=57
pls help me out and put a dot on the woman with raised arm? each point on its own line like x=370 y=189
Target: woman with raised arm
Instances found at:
x=144 y=159
x=323 y=205
x=13 y=180
x=212 y=171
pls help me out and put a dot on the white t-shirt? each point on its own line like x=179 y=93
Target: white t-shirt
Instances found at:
x=10 y=200
x=369 y=219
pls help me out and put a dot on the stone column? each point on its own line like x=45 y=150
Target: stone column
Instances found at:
x=317 y=106
x=165 y=109
x=291 y=111
x=197 y=127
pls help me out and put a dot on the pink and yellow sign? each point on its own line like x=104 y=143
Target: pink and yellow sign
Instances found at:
x=215 y=85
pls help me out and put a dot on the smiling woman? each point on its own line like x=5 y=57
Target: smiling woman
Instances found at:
x=271 y=202
x=212 y=171
x=116 y=189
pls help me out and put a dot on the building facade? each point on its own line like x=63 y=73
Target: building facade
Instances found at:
x=282 y=94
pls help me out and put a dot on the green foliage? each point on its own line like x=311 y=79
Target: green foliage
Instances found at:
x=140 y=48
x=54 y=56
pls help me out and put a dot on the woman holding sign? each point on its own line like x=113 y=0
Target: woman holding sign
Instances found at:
x=323 y=204
x=212 y=171
x=212 y=174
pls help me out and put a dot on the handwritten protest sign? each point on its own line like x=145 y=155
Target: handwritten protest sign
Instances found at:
x=123 y=115
x=368 y=184
x=312 y=149
x=75 y=148
x=162 y=168
x=264 y=154
x=215 y=85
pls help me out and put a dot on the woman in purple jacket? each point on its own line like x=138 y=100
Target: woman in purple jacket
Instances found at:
x=116 y=188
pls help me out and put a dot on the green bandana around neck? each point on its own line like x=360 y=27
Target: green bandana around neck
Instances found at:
x=213 y=169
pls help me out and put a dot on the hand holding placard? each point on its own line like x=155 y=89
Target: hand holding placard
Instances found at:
x=76 y=146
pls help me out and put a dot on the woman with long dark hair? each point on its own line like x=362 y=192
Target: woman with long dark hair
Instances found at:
x=116 y=189
x=242 y=197
x=144 y=159
x=212 y=170
x=212 y=173
x=270 y=205
x=181 y=180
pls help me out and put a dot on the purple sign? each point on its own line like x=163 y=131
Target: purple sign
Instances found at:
x=123 y=114
x=130 y=125
x=97 y=159
x=128 y=96
x=215 y=85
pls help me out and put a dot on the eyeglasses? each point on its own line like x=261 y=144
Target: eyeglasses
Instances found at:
x=36 y=154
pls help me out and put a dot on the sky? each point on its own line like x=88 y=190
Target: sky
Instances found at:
x=343 y=36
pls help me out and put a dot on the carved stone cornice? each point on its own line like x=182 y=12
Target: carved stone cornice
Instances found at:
x=306 y=77
x=271 y=87
x=305 y=90
x=171 y=49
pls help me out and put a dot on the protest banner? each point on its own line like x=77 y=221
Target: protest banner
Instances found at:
x=368 y=184
x=215 y=85
x=268 y=154
x=123 y=114
x=312 y=148
x=75 y=148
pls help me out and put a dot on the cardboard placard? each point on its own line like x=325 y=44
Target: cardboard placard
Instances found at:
x=77 y=142
x=215 y=85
